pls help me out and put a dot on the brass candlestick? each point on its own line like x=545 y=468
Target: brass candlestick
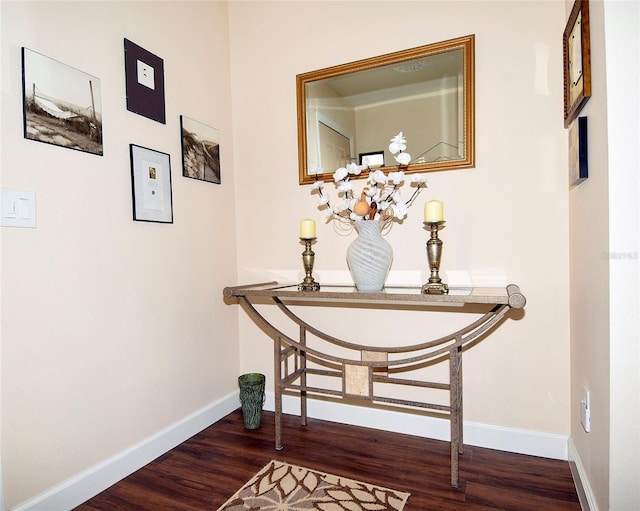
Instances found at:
x=435 y=286
x=308 y=258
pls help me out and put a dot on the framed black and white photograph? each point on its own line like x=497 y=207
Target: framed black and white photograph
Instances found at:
x=144 y=79
x=576 y=44
x=151 y=185
x=61 y=104
x=578 y=152
x=200 y=150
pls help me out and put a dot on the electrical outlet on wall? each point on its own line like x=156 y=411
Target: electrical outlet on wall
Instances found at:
x=585 y=410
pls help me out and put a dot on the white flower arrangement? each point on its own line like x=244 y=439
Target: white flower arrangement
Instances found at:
x=380 y=198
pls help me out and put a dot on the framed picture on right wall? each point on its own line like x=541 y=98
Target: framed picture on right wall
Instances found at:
x=576 y=48
x=578 y=151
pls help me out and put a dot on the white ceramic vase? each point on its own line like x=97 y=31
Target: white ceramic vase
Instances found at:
x=369 y=257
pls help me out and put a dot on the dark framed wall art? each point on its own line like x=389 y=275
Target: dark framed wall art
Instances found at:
x=576 y=46
x=151 y=185
x=61 y=104
x=200 y=150
x=144 y=76
x=578 y=151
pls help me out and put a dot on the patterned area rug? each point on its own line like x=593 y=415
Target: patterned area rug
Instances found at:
x=280 y=486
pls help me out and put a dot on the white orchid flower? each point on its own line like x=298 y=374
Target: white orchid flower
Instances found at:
x=403 y=158
x=343 y=205
x=418 y=178
x=396 y=177
x=354 y=217
x=323 y=199
x=399 y=210
x=345 y=186
x=398 y=143
x=355 y=169
x=317 y=185
x=377 y=176
x=340 y=174
x=396 y=196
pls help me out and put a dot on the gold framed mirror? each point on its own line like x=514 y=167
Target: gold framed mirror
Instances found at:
x=350 y=111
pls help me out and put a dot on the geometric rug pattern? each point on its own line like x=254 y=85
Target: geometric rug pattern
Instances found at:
x=280 y=486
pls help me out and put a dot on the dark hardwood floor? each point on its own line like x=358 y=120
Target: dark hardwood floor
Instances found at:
x=203 y=472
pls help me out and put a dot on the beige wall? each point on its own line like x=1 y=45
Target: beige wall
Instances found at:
x=508 y=216
x=604 y=217
x=112 y=330
x=589 y=214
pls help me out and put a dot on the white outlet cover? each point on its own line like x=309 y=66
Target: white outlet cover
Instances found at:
x=585 y=418
x=585 y=410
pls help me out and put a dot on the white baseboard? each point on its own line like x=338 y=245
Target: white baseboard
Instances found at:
x=87 y=484
x=522 y=441
x=80 y=488
x=585 y=493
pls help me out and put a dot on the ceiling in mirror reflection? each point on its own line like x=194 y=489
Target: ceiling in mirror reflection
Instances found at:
x=386 y=83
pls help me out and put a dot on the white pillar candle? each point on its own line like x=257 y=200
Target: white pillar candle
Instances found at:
x=434 y=211
x=308 y=228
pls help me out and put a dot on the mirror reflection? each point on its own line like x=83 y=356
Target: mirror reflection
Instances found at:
x=348 y=113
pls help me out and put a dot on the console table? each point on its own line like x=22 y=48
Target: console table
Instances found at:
x=363 y=370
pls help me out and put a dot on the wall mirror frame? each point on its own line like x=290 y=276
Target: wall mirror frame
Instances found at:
x=341 y=108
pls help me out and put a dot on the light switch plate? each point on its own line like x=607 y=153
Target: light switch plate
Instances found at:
x=17 y=208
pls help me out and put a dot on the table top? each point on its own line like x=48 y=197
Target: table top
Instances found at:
x=509 y=295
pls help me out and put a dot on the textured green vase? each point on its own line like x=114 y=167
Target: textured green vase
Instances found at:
x=252 y=398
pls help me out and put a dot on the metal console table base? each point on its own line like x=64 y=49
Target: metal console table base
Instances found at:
x=368 y=367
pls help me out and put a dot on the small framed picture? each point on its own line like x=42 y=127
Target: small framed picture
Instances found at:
x=578 y=151
x=200 y=150
x=144 y=79
x=61 y=104
x=151 y=185
x=372 y=160
x=577 y=61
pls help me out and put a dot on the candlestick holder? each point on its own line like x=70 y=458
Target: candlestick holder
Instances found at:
x=308 y=258
x=435 y=286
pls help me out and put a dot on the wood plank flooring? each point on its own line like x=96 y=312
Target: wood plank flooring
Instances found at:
x=203 y=472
